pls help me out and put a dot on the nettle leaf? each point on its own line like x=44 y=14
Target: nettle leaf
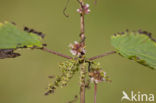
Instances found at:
x=12 y=38
x=138 y=46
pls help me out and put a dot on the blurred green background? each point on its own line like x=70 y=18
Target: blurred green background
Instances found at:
x=24 y=79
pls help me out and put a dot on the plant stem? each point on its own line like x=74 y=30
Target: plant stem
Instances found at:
x=64 y=10
x=56 y=53
x=95 y=91
x=82 y=24
x=82 y=83
x=82 y=66
x=102 y=55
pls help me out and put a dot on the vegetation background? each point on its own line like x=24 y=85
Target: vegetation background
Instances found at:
x=24 y=79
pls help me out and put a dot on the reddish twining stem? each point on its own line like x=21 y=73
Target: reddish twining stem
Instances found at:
x=102 y=55
x=56 y=53
x=64 y=10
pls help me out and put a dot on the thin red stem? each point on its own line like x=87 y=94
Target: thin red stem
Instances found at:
x=56 y=53
x=95 y=91
x=102 y=55
x=82 y=36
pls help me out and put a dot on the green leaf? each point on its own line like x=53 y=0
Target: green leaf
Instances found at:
x=138 y=46
x=12 y=38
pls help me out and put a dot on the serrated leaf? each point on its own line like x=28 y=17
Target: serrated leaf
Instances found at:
x=12 y=38
x=138 y=46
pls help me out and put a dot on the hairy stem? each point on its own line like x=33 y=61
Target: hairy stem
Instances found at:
x=56 y=53
x=102 y=55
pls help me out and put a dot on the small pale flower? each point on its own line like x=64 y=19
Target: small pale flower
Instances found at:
x=76 y=42
x=87 y=5
x=77 y=49
x=73 y=52
x=79 y=10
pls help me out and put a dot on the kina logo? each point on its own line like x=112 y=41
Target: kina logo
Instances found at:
x=140 y=97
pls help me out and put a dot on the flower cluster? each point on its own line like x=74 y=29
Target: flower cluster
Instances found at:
x=85 y=9
x=69 y=68
x=77 y=49
x=98 y=75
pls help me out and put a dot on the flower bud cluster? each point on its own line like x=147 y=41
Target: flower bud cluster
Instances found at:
x=77 y=49
x=97 y=75
x=84 y=10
